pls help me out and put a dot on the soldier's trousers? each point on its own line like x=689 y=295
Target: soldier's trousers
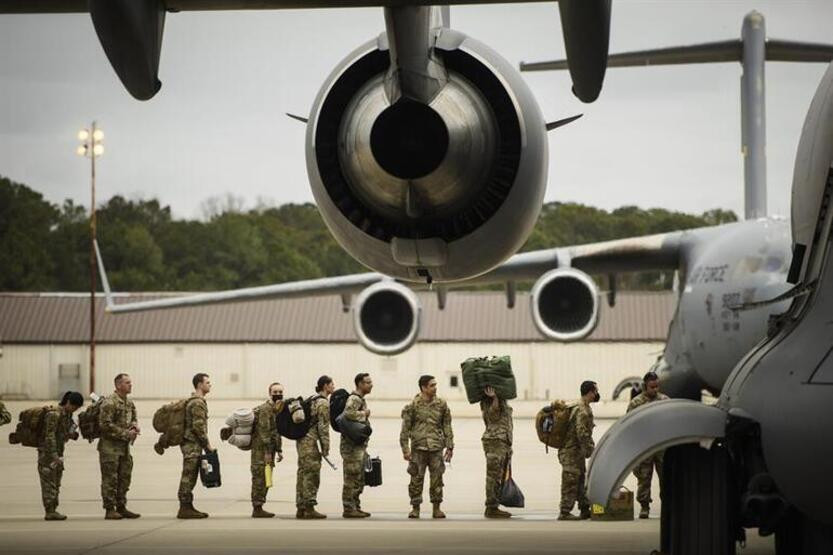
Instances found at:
x=116 y=471
x=259 y=488
x=497 y=453
x=190 y=470
x=50 y=480
x=573 y=476
x=644 y=473
x=433 y=462
x=352 y=461
x=309 y=473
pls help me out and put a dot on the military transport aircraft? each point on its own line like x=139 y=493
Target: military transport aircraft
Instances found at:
x=426 y=151
x=736 y=285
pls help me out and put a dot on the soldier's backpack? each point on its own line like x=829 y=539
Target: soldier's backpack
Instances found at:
x=29 y=428
x=552 y=423
x=169 y=421
x=88 y=421
x=295 y=420
x=338 y=400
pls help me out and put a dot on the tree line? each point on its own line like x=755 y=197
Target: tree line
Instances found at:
x=45 y=247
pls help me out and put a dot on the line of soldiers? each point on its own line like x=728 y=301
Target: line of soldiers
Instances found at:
x=426 y=440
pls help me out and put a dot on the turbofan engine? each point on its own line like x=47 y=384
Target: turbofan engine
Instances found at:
x=565 y=304
x=386 y=318
x=442 y=190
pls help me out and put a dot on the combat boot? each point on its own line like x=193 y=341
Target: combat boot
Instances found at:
x=110 y=514
x=365 y=514
x=645 y=511
x=437 y=513
x=354 y=513
x=301 y=513
x=52 y=514
x=258 y=512
x=568 y=516
x=584 y=514
x=414 y=512
x=494 y=512
x=313 y=514
x=187 y=510
x=127 y=514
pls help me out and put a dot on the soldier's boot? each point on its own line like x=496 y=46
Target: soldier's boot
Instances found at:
x=414 y=512
x=187 y=510
x=585 y=514
x=301 y=513
x=313 y=514
x=353 y=513
x=494 y=512
x=645 y=511
x=126 y=513
x=258 y=512
x=111 y=514
x=365 y=514
x=568 y=516
x=52 y=514
x=437 y=513
x=203 y=513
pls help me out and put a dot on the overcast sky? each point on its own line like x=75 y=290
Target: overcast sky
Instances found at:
x=667 y=137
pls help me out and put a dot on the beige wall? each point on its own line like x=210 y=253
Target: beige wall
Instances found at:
x=543 y=370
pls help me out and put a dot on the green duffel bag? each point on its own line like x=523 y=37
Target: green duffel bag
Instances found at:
x=483 y=371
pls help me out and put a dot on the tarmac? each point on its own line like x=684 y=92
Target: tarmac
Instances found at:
x=230 y=529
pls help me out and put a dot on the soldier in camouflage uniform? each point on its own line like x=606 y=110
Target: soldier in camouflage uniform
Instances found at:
x=57 y=422
x=5 y=417
x=266 y=447
x=311 y=448
x=578 y=445
x=195 y=440
x=497 y=445
x=119 y=427
x=354 y=454
x=426 y=430
x=644 y=471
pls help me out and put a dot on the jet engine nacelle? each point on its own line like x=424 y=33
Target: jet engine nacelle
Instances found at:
x=386 y=317
x=565 y=304
x=444 y=190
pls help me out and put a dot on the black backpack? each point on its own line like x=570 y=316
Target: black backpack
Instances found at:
x=290 y=429
x=338 y=400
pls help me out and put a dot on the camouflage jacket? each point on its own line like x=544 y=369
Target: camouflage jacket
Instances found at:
x=580 y=432
x=352 y=409
x=196 y=421
x=319 y=429
x=5 y=417
x=56 y=425
x=498 y=420
x=116 y=416
x=427 y=424
x=265 y=436
x=643 y=399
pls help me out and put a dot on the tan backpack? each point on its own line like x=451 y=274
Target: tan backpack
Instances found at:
x=29 y=430
x=169 y=421
x=552 y=423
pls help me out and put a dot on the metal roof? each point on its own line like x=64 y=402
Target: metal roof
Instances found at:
x=468 y=316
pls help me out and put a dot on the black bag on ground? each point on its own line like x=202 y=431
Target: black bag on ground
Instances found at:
x=286 y=419
x=210 y=469
x=510 y=494
x=338 y=400
x=373 y=472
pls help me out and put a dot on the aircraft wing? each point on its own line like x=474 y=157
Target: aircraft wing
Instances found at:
x=653 y=252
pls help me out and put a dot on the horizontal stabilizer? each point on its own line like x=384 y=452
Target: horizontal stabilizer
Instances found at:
x=705 y=53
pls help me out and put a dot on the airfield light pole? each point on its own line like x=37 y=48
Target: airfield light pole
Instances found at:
x=91 y=147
